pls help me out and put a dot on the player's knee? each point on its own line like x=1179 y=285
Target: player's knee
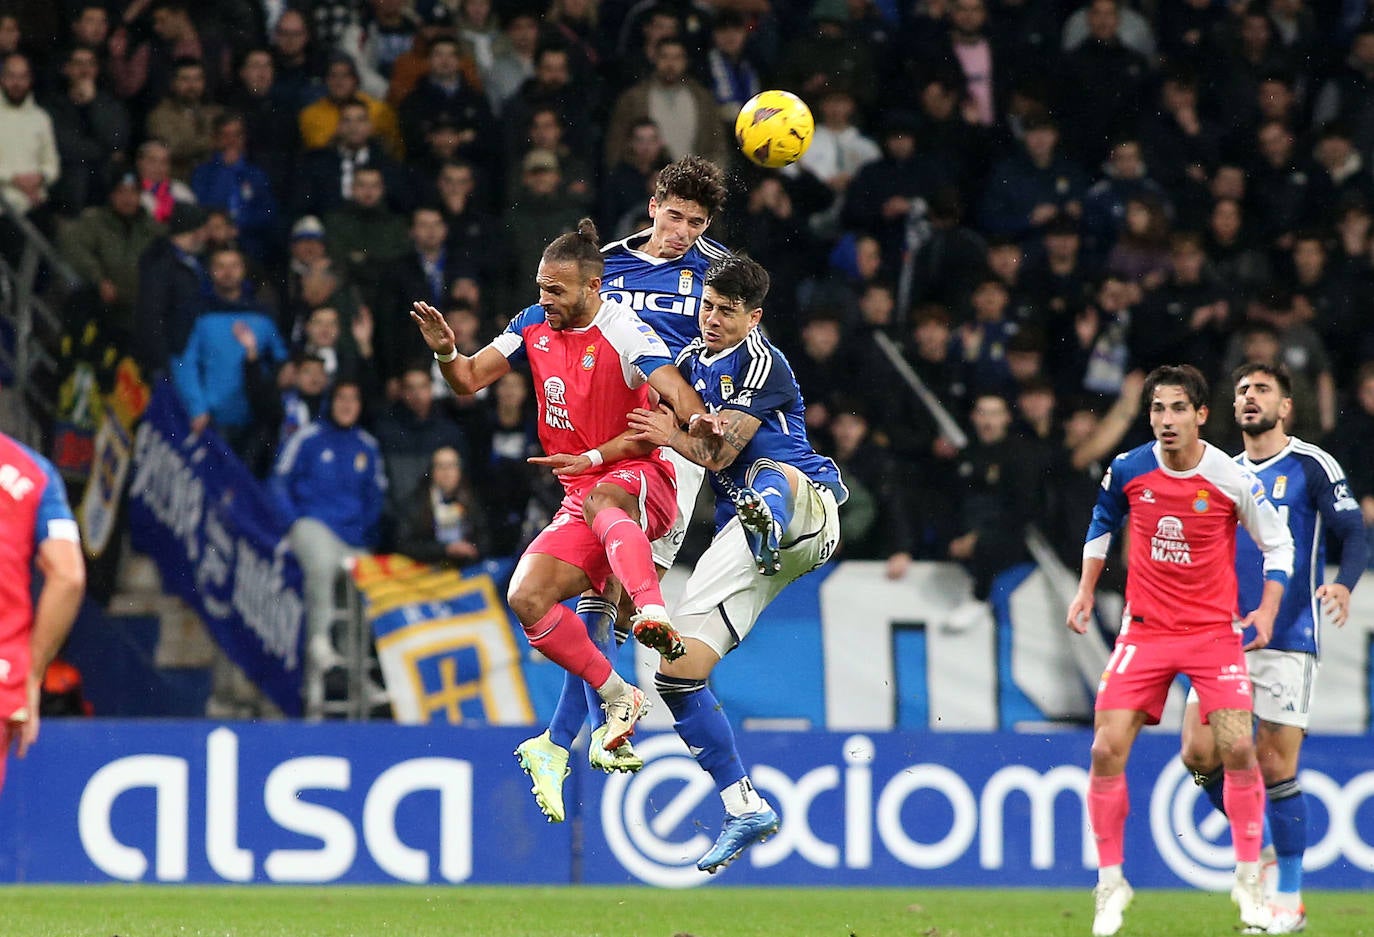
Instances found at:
x=1198 y=752
x=528 y=602
x=1109 y=751
x=1237 y=751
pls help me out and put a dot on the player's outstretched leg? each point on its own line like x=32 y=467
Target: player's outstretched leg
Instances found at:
x=547 y=765
x=1287 y=818
x=577 y=699
x=701 y=723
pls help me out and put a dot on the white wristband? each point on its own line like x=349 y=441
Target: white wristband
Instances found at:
x=451 y=356
x=595 y=456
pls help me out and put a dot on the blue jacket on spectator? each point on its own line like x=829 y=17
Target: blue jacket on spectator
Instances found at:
x=209 y=372
x=335 y=475
x=244 y=191
x=1017 y=185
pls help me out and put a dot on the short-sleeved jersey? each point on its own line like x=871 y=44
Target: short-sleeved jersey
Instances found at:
x=1182 y=551
x=1309 y=489
x=664 y=293
x=33 y=508
x=755 y=377
x=585 y=380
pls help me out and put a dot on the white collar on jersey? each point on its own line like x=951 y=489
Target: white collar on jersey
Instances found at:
x=641 y=237
x=1257 y=466
x=707 y=357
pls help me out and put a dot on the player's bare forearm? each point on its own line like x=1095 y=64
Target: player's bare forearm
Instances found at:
x=624 y=446
x=64 y=583
x=734 y=430
x=1081 y=608
x=465 y=374
x=673 y=390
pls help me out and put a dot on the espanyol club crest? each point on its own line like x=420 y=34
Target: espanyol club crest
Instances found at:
x=1201 y=504
x=589 y=358
x=684 y=282
x=727 y=386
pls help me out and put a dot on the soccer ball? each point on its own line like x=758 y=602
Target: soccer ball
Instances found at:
x=774 y=128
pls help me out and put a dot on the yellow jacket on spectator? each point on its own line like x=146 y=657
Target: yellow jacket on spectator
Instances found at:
x=319 y=121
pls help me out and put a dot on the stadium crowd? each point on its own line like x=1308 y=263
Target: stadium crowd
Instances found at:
x=1038 y=203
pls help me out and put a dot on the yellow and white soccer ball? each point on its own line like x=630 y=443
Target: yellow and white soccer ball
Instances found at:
x=774 y=128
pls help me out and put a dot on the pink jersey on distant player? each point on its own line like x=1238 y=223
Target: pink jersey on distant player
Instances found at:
x=585 y=380
x=1181 y=554
x=33 y=508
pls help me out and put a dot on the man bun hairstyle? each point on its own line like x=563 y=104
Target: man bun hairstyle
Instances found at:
x=582 y=247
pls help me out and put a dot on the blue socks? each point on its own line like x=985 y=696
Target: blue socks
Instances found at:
x=577 y=699
x=701 y=723
x=1287 y=816
x=769 y=481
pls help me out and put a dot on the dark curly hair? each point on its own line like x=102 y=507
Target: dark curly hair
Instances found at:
x=694 y=179
x=741 y=278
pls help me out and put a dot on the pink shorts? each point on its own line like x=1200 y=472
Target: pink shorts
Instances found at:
x=1144 y=664
x=569 y=537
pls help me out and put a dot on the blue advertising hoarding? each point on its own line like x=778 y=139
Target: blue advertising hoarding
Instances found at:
x=113 y=800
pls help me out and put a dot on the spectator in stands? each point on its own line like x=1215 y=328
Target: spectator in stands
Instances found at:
x=172 y=283
x=313 y=279
x=92 y=132
x=425 y=270
x=1302 y=350
x=229 y=180
x=1104 y=205
x=471 y=227
x=445 y=93
x=574 y=25
x=364 y=233
x=1127 y=27
x=684 y=110
x=1186 y=29
x=839 y=149
x=551 y=87
x=545 y=132
x=378 y=35
x=882 y=196
x=1249 y=53
x=1348 y=95
x=1232 y=256
x=1178 y=142
x=1006 y=260
x=273 y=133
x=411 y=430
x=320 y=121
x=983 y=338
x=539 y=212
x=875 y=523
x=824 y=55
x=1259 y=342
x=1058 y=278
x=512 y=58
x=444 y=521
x=145 y=70
x=1028 y=190
x=184 y=119
x=88 y=27
x=626 y=188
x=327 y=174
x=946 y=126
x=1353 y=445
x=772 y=228
x=232 y=328
x=161 y=193
x=297 y=74
x=952 y=258
x=1281 y=185
x=1188 y=318
x=103 y=245
x=331 y=483
x=1102 y=80
x=1329 y=302
x=519 y=498
x=29 y=162
x=1341 y=175
x=285 y=411
x=997 y=496
x=1095 y=356
x=820 y=366
x=478 y=29
x=1141 y=253
x=729 y=70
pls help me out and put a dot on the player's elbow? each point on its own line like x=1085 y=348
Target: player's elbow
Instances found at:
x=66 y=579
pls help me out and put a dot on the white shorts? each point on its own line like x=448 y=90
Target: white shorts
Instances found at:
x=689 y=478
x=1283 y=683
x=726 y=593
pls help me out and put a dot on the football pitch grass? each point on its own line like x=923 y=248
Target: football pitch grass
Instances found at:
x=480 y=911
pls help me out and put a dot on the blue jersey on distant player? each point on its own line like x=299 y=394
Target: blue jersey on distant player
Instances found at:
x=664 y=293
x=756 y=378
x=1309 y=489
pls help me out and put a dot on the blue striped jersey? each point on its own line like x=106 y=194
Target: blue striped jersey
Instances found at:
x=1310 y=491
x=664 y=293
x=755 y=377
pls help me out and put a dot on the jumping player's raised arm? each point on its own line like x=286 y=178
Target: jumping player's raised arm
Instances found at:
x=466 y=375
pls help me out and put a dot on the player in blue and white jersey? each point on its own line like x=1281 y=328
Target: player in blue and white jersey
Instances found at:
x=777 y=518
x=657 y=272
x=1310 y=490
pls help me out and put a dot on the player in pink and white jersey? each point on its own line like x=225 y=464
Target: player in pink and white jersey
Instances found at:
x=592 y=361
x=1181 y=499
